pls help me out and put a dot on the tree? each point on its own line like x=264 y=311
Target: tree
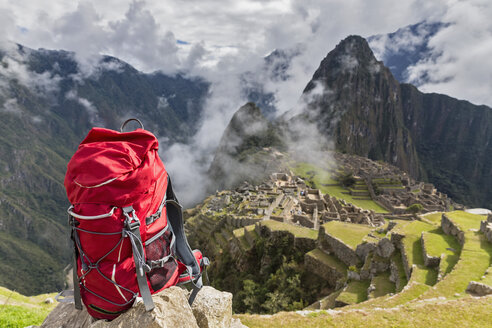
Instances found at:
x=415 y=208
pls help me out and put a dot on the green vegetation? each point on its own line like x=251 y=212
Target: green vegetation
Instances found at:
x=464 y=220
x=437 y=243
x=297 y=231
x=18 y=311
x=320 y=178
x=434 y=218
x=328 y=260
x=468 y=312
x=349 y=233
x=475 y=258
x=270 y=278
x=415 y=208
x=355 y=292
x=382 y=284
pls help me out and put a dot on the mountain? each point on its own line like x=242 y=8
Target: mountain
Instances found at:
x=356 y=101
x=244 y=151
x=48 y=103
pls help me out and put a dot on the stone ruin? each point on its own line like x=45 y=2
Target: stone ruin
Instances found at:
x=390 y=187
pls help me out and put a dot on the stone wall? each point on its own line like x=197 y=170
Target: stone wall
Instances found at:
x=486 y=228
x=452 y=229
x=429 y=261
x=397 y=240
x=301 y=244
x=330 y=274
x=303 y=220
x=341 y=250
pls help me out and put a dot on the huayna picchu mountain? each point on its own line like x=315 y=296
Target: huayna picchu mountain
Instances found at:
x=356 y=101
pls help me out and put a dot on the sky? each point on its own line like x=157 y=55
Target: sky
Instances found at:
x=219 y=40
x=198 y=35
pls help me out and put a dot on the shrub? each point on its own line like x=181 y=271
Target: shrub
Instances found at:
x=415 y=208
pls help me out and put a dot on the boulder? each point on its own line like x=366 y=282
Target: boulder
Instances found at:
x=385 y=248
x=211 y=308
x=478 y=289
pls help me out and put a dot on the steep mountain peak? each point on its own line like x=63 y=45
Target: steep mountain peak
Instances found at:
x=352 y=56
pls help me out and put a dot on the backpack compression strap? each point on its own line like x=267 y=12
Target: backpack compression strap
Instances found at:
x=183 y=249
x=132 y=224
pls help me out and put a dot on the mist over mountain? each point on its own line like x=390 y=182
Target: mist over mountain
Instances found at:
x=357 y=101
x=48 y=103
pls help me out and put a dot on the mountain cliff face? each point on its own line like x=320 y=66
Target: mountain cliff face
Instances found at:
x=359 y=104
x=48 y=103
x=244 y=149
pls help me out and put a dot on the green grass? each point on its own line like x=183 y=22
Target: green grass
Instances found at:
x=413 y=250
x=411 y=241
x=350 y=233
x=239 y=232
x=14 y=316
x=17 y=310
x=464 y=220
x=437 y=243
x=487 y=277
x=469 y=312
x=475 y=258
x=355 y=292
x=434 y=218
x=322 y=177
x=328 y=260
x=297 y=231
x=382 y=284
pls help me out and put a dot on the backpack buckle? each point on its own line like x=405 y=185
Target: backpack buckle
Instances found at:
x=131 y=222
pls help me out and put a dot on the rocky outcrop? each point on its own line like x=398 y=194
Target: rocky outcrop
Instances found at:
x=385 y=248
x=478 y=289
x=211 y=308
x=365 y=111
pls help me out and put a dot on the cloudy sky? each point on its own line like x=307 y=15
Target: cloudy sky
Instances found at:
x=196 y=35
x=219 y=40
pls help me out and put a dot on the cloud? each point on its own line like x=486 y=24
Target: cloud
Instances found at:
x=91 y=110
x=224 y=41
x=11 y=106
x=14 y=67
x=459 y=64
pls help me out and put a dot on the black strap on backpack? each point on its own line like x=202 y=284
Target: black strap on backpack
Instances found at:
x=183 y=250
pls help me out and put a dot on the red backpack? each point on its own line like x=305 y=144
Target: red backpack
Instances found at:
x=127 y=225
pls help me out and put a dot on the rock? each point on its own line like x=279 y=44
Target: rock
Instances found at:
x=479 y=289
x=385 y=248
x=212 y=308
x=49 y=300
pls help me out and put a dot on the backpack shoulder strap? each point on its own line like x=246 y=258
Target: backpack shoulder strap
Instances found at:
x=183 y=249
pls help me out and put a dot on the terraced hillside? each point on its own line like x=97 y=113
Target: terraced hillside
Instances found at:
x=318 y=237
x=441 y=260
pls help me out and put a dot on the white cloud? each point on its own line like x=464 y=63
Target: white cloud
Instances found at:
x=92 y=111
x=460 y=63
x=11 y=106
x=226 y=39
x=13 y=67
